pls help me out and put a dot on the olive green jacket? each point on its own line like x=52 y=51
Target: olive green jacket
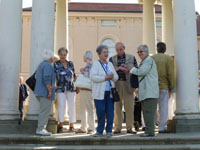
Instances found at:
x=165 y=68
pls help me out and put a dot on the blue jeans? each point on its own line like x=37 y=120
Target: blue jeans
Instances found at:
x=105 y=111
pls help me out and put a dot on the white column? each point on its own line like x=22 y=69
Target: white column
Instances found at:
x=42 y=37
x=185 y=36
x=10 y=48
x=60 y=28
x=149 y=29
x=167 y=28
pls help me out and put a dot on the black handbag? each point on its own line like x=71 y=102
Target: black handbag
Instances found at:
x=114 y=91
x=134 y=81
x=31 y=81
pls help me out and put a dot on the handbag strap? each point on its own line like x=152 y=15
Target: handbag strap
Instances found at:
x=146 y=75
x=105 y=72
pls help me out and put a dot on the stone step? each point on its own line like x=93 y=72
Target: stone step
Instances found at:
x=102 y=147
x=83 y=139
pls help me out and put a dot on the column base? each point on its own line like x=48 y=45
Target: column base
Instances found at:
x=26 y=127
x=184 y=124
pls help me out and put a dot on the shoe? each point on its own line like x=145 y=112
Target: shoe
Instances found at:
x=131 y=131
x=97 y=135
x=80 y=131
x=90 y=132
x=60 y=130
x=117 y=131
x=71 y=129
x=144 y=128
x=136 y=125
x=146 y=135
x=163 y=131
x=43 y=132
x=109 y=135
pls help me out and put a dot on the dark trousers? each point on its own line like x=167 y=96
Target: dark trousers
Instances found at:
x=21 y=108
x=137 y=113
x=105 y=111
x=149 y=109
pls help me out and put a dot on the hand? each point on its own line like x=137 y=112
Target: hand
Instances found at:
x=125 y=70
x=109 y=77
x=78 y=90
x=82 y=70
x=124 y=66
x=49 y=95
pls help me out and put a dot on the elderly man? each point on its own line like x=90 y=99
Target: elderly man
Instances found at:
x=123 y=63
x=165 y=69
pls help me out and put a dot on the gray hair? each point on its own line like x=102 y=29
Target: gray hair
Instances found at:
x=144 y=48
x=88 y=54
x=47 y=54
x=100 y=48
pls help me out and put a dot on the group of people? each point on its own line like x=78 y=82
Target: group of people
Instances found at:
x=155 y=78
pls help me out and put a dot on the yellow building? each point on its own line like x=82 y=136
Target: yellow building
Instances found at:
x=91 y=24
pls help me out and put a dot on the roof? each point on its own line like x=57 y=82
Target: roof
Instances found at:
x=112 y=7
x=109 y=7
x=105 y=7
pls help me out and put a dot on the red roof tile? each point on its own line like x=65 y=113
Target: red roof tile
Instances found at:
x=108 y=7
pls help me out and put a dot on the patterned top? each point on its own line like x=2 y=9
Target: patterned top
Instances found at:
x=87 y=69
x=65 y=77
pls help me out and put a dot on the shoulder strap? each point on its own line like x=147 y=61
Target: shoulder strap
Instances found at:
x=105 y=72
x=146 y=75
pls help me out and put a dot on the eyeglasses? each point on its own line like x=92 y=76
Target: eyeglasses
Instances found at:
x=139 y=52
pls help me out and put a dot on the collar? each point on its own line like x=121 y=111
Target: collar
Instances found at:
x=124 y=56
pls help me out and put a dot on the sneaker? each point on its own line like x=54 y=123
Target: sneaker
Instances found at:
x=131 y=131
x=117 y=131
x=109 y=135
x=80 y=131
x=90 y=132
x=43 y=132
x=97 y=135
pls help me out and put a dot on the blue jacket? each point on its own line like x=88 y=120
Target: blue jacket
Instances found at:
x=45 y=75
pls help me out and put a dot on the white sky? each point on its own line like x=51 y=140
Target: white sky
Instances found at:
x=28 y=3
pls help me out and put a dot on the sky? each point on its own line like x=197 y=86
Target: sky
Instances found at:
x=28 y=3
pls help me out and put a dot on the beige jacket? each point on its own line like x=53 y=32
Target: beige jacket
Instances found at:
x=129 y=63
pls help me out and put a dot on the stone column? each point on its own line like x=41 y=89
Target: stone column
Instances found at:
x=42 y=37
x=60 y=27
x=149 y=29
x=167 y=28
x=10 y=47
x=185 y=37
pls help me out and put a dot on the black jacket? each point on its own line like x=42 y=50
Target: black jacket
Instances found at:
x=22 y=92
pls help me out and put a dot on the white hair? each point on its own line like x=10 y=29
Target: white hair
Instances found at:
x=144 y=48
x=88 y=54
x=47 y=54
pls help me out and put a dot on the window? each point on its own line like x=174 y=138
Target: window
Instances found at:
x=158 y=24
x=108 y=23
x=111 y=47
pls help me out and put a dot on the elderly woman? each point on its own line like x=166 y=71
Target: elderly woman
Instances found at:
x=148 y=88
x=103 y=76
x=45 y=90
x=86 y=102
x=65 y=77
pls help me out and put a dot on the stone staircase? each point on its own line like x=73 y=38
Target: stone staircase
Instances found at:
x=69 y=141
